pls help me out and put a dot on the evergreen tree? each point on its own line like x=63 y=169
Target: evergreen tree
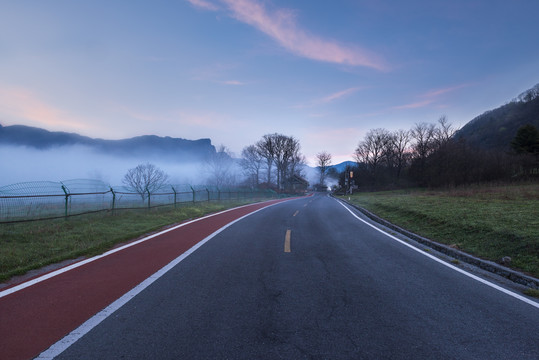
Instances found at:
x=526 y=140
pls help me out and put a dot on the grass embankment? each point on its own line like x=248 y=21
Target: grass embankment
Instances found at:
x=32 y=245
x=487 y=221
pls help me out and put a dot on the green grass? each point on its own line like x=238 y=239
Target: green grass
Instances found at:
x=32 y=245
x=487 y=221
x=532 y=292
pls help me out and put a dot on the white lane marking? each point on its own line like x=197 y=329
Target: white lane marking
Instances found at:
x=110 y=252
x=508 y=292
x=62 y=345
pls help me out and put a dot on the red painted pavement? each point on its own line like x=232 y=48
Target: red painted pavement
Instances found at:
x=34 y=318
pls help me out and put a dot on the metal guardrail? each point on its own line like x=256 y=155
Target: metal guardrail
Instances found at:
x=47 y=200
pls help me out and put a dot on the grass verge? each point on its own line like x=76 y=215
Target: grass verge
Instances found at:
x=486 y=221
x=32 y=245
x=532 y=293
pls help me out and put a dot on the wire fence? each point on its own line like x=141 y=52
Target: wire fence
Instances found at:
x=40 y=200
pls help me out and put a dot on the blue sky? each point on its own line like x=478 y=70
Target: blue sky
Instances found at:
x=233 y=70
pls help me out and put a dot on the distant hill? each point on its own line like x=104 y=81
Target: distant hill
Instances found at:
x=496 y=128
x=147 y=145
x=339 y=168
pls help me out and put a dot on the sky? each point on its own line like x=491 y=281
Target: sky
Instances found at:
x=324 y=72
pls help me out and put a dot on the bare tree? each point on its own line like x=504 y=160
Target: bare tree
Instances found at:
x=266 y=149
x=287 y=156
x=251 y=163
x=283 y=152
x=220 y=168
x=371 y=150
x=423 y=134
x=400 y=140
x=297 y=165
x=324 y=161
x=444 y=132
x=145 y=178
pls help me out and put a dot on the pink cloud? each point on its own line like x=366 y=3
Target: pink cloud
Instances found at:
x=415 y=105
x=23 y=105
x=438 y=92
x=431 y=97
x=339 y=94
x=281 y=25
x=233 y=82
x=204 y=5
x=327 y=99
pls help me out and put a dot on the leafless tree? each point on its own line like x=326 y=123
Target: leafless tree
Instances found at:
x=145 y=178
x=251 y=163
x=423 y=146
x=297 y=165
x=324 y=161
x=221 y=168
x=443 y=132
x=371 y=150
x=286 y=157
x=528 y=95
x=400 y=140
x=424 y=135
x=266 y=149
x=283 y=152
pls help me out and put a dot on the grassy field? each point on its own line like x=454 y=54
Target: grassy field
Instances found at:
x=32 y=245
x=487 y=221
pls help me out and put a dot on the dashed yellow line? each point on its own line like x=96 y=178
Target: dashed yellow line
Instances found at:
x=287 y=241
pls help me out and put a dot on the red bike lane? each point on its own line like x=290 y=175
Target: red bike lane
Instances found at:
x=35 y=317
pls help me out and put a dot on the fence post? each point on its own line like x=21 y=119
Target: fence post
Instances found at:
x=208 y=191
x=174 y=195
x=149 y=195
x=66 y=202
x=113 y=199
x=218 y=194
x=194 y=194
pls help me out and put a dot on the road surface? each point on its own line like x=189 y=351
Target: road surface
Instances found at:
x=305 y=279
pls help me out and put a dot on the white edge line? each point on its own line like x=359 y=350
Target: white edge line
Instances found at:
x=62 y=345
x=110 y=252
x=508 y=292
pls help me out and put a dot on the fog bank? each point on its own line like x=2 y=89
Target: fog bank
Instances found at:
x=23 y=164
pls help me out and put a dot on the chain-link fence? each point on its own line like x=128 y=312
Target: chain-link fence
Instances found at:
x=46 y=199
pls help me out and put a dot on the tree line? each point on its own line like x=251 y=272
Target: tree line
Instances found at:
x=430 y=155
x=272 y=162
x=427 y=155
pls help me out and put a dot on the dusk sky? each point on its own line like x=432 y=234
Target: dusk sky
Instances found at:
x=324 y=72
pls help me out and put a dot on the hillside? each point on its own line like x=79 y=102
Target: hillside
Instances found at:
x=339 y=168
x=168 y=147
x=496 y=128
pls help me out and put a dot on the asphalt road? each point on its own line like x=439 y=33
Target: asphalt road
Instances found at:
x=342 y=291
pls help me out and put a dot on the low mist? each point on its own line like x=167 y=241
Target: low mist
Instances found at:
x=23 y=164
x=26 y=164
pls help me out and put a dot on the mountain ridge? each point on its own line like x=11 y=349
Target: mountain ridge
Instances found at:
x=494 y=129
x=169 y=147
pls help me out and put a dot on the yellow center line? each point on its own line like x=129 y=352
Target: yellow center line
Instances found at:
x=287 y=241
x=297 y=211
